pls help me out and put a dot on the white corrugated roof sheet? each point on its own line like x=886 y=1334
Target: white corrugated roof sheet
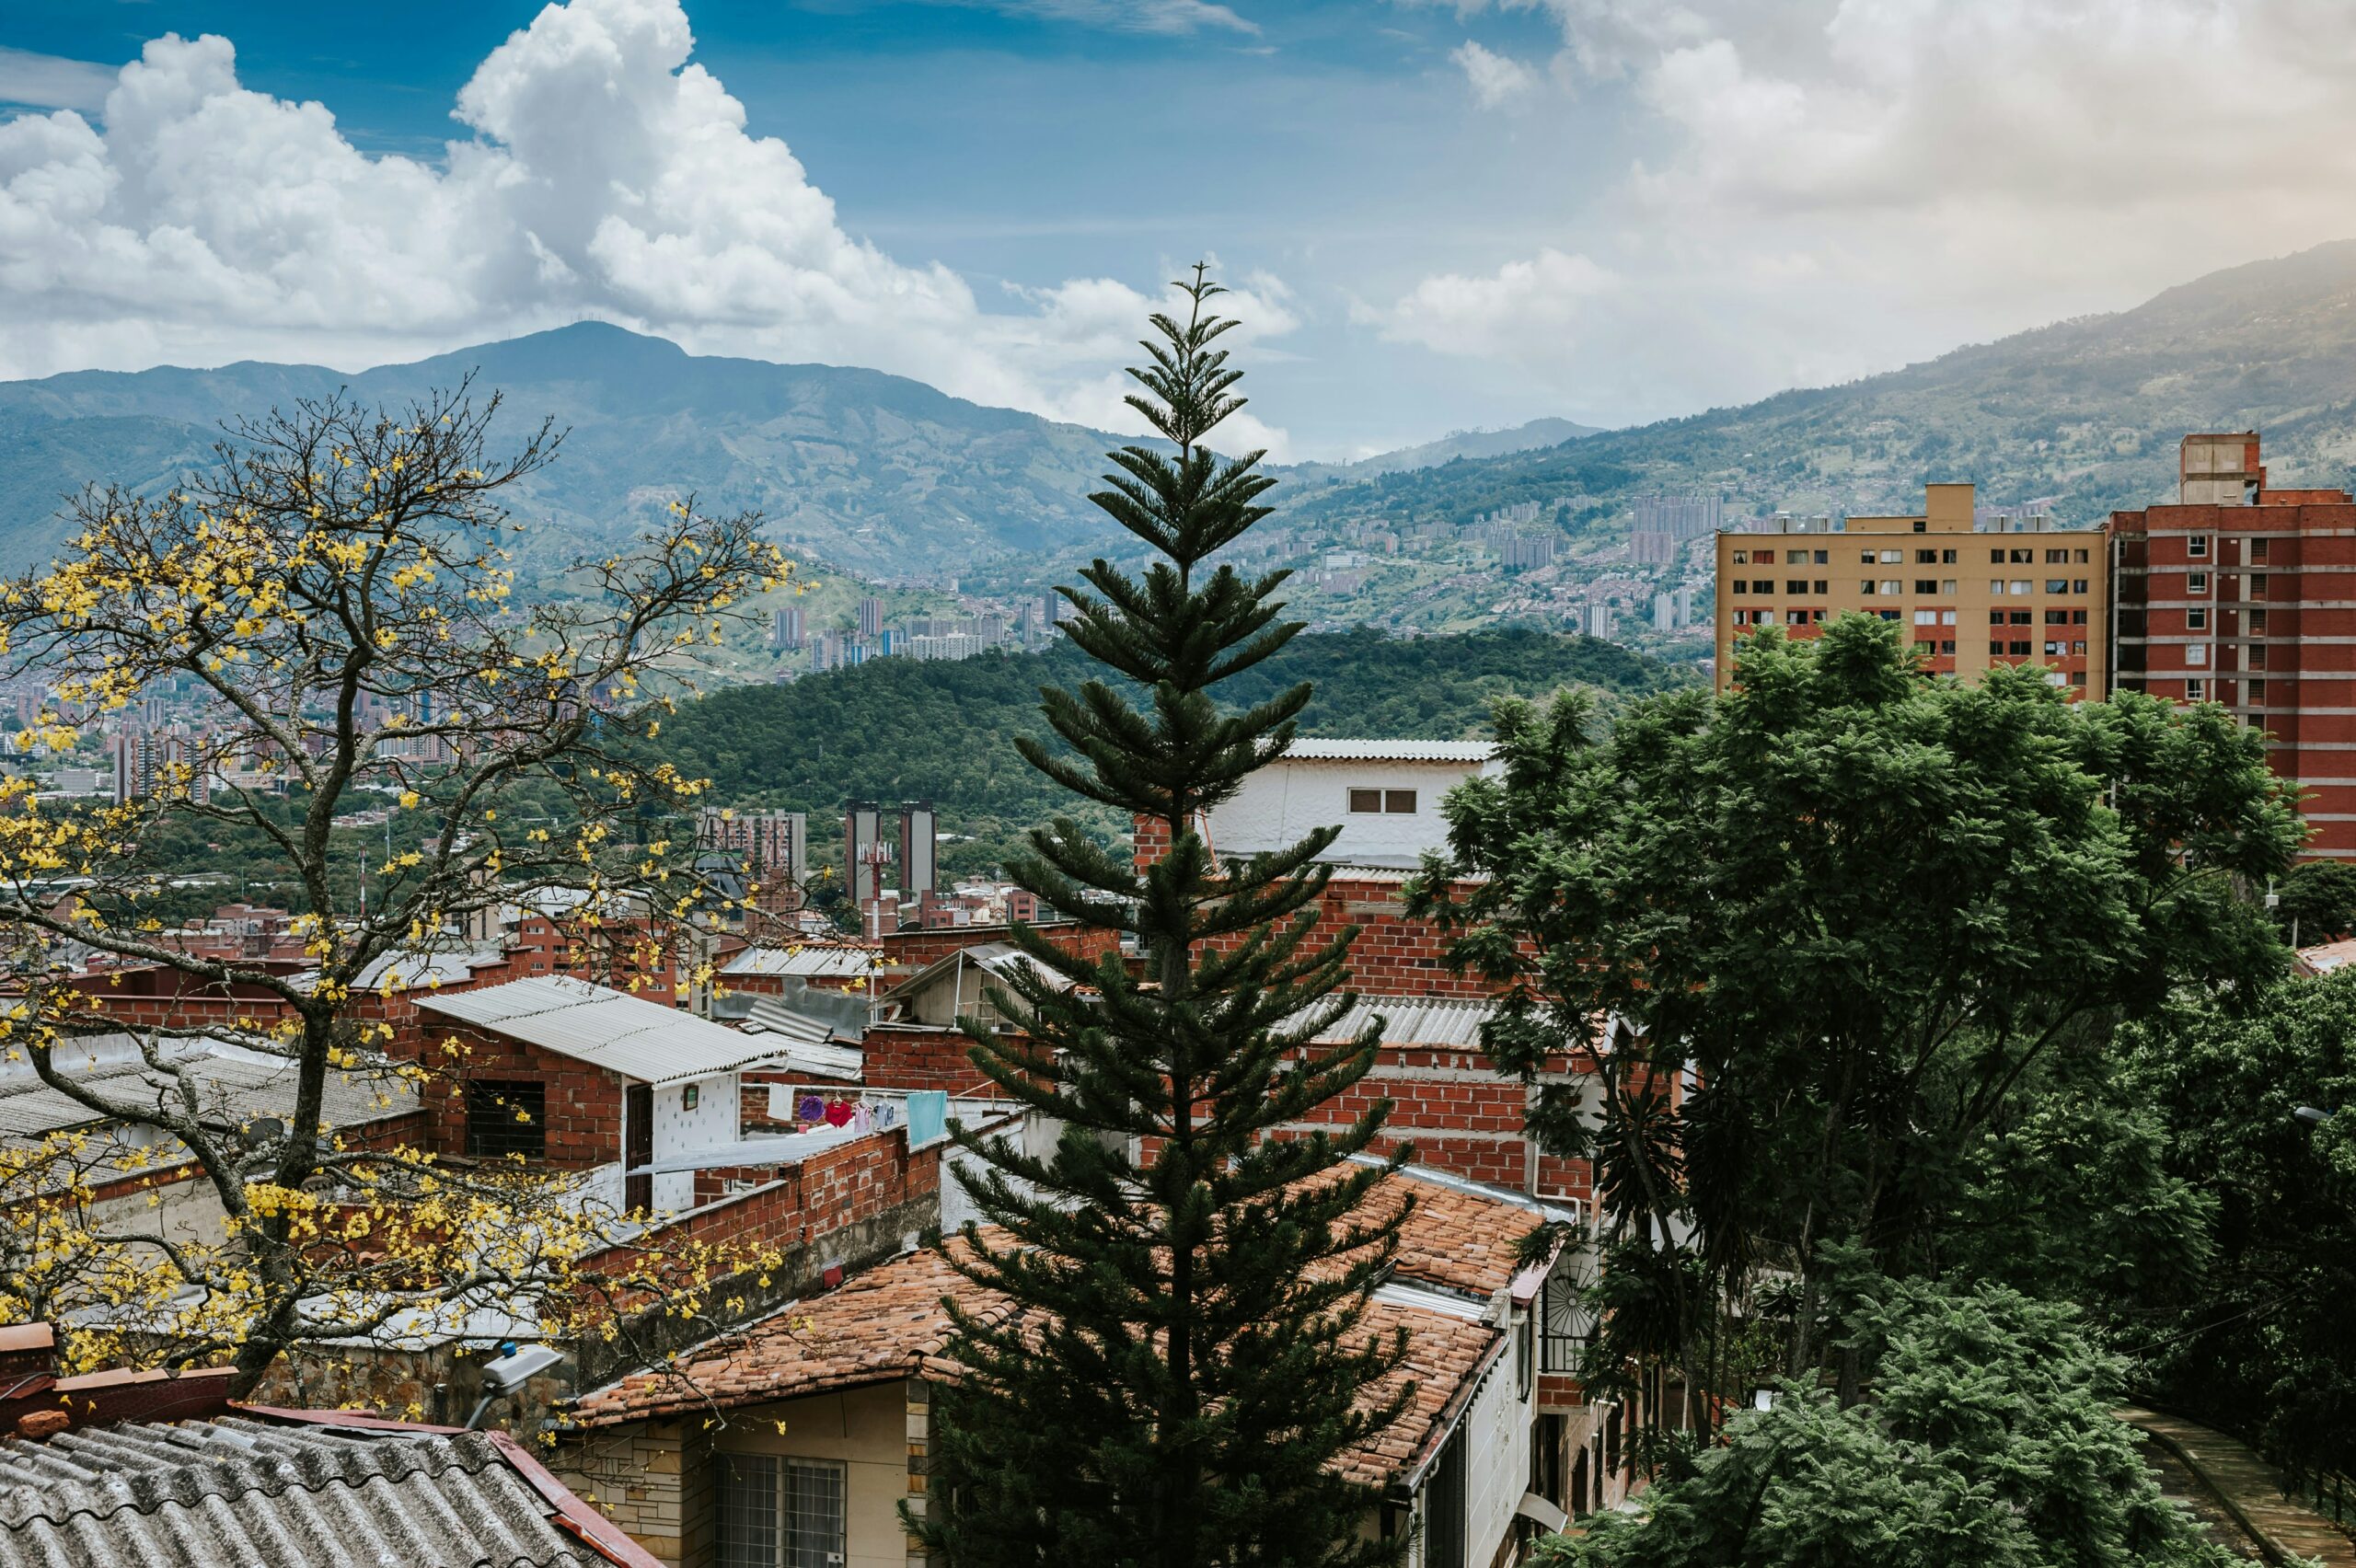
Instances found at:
x=814 y=961
x=232 y=1085
x=1441 y=1023
x=1308 y=748
x=605 y=1028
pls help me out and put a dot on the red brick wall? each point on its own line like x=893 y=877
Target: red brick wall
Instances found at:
x=921 y=1058
x=843 y=1187
x=915 y=949
x=584 y=1109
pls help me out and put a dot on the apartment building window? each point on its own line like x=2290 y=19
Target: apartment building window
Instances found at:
x=2257 y=549
x=1889 y=585
x=1947 y=646
x=2196 y=691
x=2053 y=649
x=1886 y=615
x=1823 y=558
x=2077 y=585
x=2057 y=618
x=2258 y=585
x=1740 y=586
x=2078 y=557
x=781 y=1513
x=1946 y=587
x=2056 y=585
x=2257 y=660
x=2257 y=623
x=1795 y=585
x=1926 y=618
x=2056 y=558
x=1401 y=802
x=1927 y=585
x=2257 y=694
x=1793 y=557
x=1742 y=557
x=505 y=1118
x=2021 y=558
x=2019 y=648
x=1867 y=587
x=2196 y=547
x=1947 y=618
x=2196 y=619
x=1923 y=646
x=2020 y=585
x=1921 y=525
x=1891 y=558
x=1926 y=557
x=1865 y=557
x=1816 y=618
x=2196 y=654
x=1946 y=557
x=2077 y=618
x=2077 y=648
x=1820 y=586
x=1762 y=585
x=2196 y=583
x=1995 y=617
x=2022 y=617
x=1995 y=558
x=1996 y=650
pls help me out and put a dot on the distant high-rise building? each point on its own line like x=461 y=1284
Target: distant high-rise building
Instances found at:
x=1522 y=552
x=1685 y=603
x=775 y=845
x=865 y=852
x=1601 y=621
x=1664 y=612
x=870 y=619
x=785 y=627
x=1652 y=546
x=1680 y=516
x=919 y=845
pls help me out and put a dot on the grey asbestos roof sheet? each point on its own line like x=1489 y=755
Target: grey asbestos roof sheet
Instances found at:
x=605 y=1028
x=815 y=959
x=240 y=1494
x=231 y=1085
x=1435 y=1022
x=1308 y=748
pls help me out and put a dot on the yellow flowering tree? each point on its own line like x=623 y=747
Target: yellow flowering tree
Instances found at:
x=336 y=609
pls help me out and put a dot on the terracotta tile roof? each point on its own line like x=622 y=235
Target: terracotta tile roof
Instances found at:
x=888 y=1323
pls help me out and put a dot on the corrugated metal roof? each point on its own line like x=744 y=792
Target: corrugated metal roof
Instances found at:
x=1441 y=1023
x=235 y=1493
x=414 y=971
x=232 y=1085
x=817 y=961
x=2323 y=960
x=605 y=1028
x=1308 y=748
x=999 y=960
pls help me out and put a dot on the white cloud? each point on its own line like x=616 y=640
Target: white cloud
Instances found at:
x=604 y=175
x=1831 y=187
x=51 y=81
x=1495 y=78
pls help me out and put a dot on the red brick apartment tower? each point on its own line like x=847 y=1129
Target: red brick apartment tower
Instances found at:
x=2246 y=595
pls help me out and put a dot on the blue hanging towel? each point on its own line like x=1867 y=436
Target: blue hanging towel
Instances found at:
x=928 y=1116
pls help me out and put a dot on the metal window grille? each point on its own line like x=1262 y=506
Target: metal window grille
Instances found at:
x=506 y=1118
x=1565 y=1323
x=748 y=1497
x=814 y=1515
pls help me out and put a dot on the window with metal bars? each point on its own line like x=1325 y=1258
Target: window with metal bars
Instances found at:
x=780 y=1512
x=505 y=1118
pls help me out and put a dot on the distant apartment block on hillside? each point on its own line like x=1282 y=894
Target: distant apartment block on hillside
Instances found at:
x=1967 y=596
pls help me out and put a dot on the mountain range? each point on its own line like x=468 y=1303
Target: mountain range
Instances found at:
x=2084 y=415
x=884 y=477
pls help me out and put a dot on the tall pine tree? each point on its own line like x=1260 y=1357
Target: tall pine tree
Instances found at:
x=1187 y=1349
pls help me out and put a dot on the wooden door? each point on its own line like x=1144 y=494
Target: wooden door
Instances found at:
x=637 y=1147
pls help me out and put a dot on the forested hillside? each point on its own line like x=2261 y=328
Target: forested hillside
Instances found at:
x=898 y=729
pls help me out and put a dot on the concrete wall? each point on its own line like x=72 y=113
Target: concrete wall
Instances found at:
x=678 y=1130
x=1285 y=801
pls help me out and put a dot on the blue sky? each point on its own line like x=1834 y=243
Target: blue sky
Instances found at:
x=1440 y=215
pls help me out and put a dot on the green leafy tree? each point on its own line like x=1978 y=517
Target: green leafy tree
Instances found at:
x=2317 y=900
x=1183 y=1351
x=1988 y=1442
x=1856 y=911
x=2261 y=1342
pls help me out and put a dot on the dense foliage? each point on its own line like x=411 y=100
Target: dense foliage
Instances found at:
x=1989 y=1442
x=1186 y=1350
x=945 y=732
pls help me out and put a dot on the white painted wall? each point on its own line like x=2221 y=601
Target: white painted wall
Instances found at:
x=1287 y=799
x=678 y=1130
x=1496 y=1472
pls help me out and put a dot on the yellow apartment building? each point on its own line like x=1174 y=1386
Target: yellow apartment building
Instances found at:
x=1969 y=594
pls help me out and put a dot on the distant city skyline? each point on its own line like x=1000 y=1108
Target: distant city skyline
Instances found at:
x=1437 y=216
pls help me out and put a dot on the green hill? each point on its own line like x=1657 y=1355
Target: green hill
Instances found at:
x=875 y=474
x=2086 y=411
x=898 y=729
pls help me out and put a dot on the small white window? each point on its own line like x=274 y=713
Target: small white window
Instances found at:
x=1946 y=587
x=1947 y=618
x=1891 y=558
x=1366 y=801
x=1997 y=589
x=1926 y=618
x=2196 y=691
x=2197 y=547
x=1890 y=586
x=2196 y=654
x=2196 y=619
x=2018 y=585
x=2196 y=583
